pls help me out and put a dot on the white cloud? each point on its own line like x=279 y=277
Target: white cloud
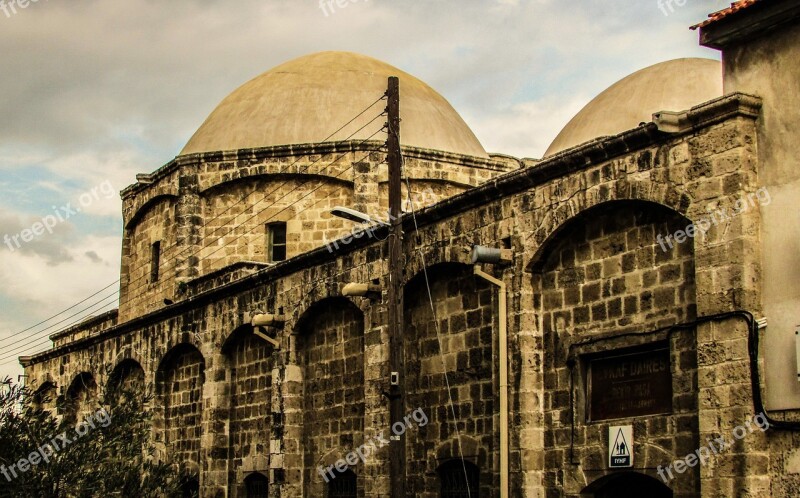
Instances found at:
x=101 y=90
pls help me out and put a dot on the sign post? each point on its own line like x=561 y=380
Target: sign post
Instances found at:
x=620 y=446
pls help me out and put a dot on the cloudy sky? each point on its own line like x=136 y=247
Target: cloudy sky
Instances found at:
x=93 y=92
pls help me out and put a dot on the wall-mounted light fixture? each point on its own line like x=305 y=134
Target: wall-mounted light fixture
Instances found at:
x=491 y=255
x=356 y=289
x=264 y=322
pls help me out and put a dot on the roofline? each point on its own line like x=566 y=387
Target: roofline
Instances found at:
x=563 y=163
x=290 y=150
x=747 y=23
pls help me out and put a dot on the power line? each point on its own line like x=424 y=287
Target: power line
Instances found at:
x=49 y=327
x=165 y=260
x=438 y=331
x=322 y=183
x=17 y=347
x=233 y=229
x=59 y=313
x=43 y=341
x=13 y=335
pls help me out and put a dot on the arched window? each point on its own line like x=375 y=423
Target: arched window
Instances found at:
x=257 y=485
x=343 y=485
x=454 y=485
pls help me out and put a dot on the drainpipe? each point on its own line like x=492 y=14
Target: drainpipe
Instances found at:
x=503 y=346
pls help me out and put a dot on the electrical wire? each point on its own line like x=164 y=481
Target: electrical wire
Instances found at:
x=436 y=323
x=142 y=296
x=322 y=183
x=13 y=335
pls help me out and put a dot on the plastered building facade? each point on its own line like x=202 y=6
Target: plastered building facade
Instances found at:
x=594 y=277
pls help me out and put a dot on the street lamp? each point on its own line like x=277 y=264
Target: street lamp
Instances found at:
x=353 y=215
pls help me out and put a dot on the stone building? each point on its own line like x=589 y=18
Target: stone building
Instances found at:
x=644 y=246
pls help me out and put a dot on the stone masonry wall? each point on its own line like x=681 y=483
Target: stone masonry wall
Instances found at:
x=604 y=273
x=181 y=394
x=331 y=347
x=708 y=165
x=192 y=203
x=465 y=314
x=250 y=409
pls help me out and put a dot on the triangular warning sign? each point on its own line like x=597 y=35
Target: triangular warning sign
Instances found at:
x=619 y=451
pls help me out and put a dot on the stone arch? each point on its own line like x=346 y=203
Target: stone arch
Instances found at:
x=80 y=398
x=277 y=176
x=626 y=485
x=145 y=206
x=312 y=298
x=128 y=374
x=180 y=378
x=454 y=346
x=593 y=187
x=330 y=352
x=603 y=285
x=129 y=354
x=453 y=449
x=172 y=343
x=557 y=222
x=457 y=255
x=249 y=362
x=45 y=396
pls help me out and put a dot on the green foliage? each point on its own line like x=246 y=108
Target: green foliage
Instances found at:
x=109 y=454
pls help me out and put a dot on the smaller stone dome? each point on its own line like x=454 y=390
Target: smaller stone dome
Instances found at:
x=674 y=85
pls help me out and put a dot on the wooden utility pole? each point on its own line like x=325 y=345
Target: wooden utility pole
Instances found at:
x=397 y=453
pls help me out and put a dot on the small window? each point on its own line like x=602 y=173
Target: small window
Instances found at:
x=459 y=479
x=257 y=485
x=343 y=485
x=276 y=241
x=155 y=260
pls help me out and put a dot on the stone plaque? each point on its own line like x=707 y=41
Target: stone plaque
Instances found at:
x=630 y=385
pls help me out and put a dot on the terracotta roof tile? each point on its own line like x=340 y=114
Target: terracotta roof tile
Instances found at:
x=734 y=8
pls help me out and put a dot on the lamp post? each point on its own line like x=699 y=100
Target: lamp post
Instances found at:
x=394 y=294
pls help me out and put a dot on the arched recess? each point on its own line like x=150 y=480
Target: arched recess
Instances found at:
x=179 y=390
x=45 y=396
x=147 y=205
x=343 y=485
x=80 y=398
x=249 y=359
x=604 y=283
x=128 y=375
x=459 y=478
x=256 y=486
x=330 y=349
x=458 y=342
x=626 y=485
x=272 y=199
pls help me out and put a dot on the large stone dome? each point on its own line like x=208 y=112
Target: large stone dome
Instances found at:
x=674 y=85
x=306 y=99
